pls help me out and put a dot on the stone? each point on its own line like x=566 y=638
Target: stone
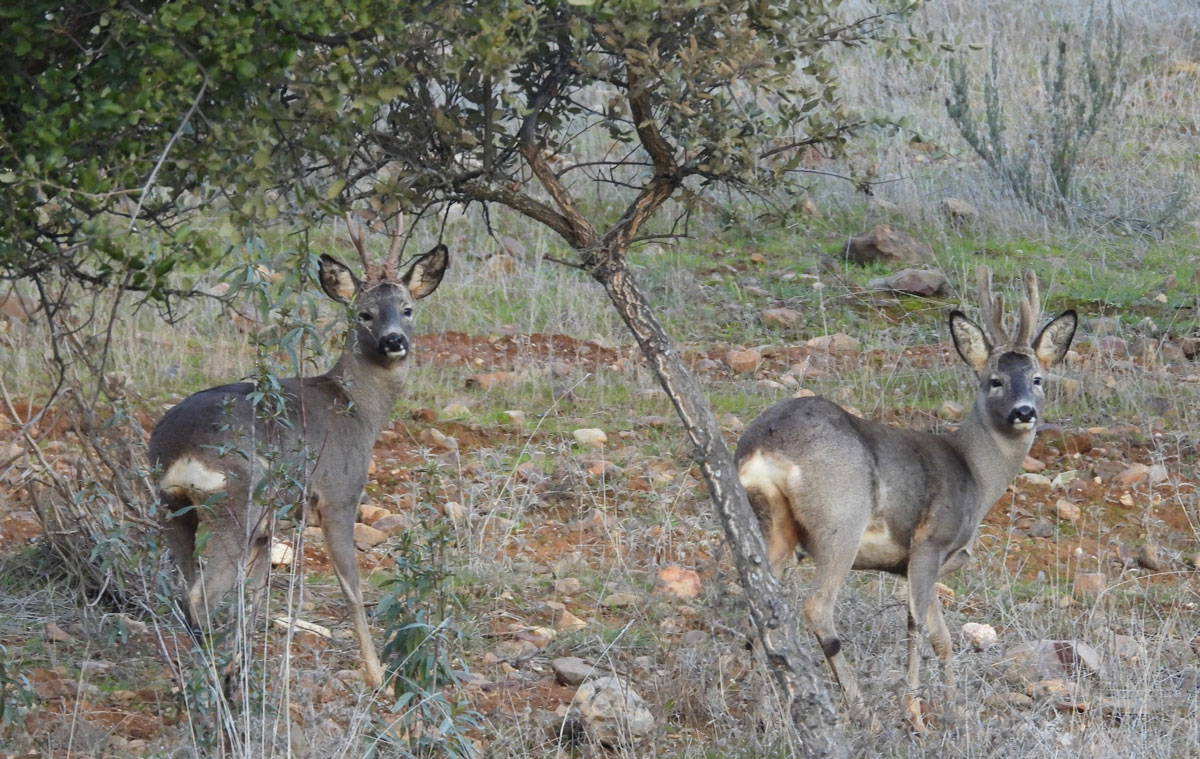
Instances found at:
x=369 y=513
x=886 y=244
x=959 y=211
x=1156 y=474
x=393 y=524
x=568 y=586
x=731 y=423
x=743 y=361
x=1133 y=475
x=437 y=440
x=1090 y=583
x=679 y=582
x=56 y=634
x=565 y=621
x=620 y=600
x=571 y=670
x=368 y=536
x=1102 y=325
x=513 y=416
x=590 y=437
x=781 y=317
x=912 y=282
x=1067 y=511
x=951 y=410
x=1049 y=659
x=456 y=409
x=838 y=342
x=612 y=712
x=1149 y=557
x=980 y=636
x=455 y=511
x=282 y=554
x=1033 y=478
x=1030 y=464
x=693 y=638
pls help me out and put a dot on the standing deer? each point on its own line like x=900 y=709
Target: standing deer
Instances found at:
x=856 y=494
x=209 y=447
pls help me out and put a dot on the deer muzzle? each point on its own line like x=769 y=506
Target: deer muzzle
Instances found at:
x=394 y=345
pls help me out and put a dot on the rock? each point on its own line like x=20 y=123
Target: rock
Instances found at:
x=1129 y=649
x=743 y=361
x=1149 y=557
x=455 y=511
x=1033 y=478
x=979 y=636
x=437 y=440
x=619 y=600
x=781 y=317
x=1030 y=464
x=959 y=211
x=1067 y=511
x=282 y=554
x=612 y=712
x=912 y=282
x=590 y=437
x=886 y=244
x=368 y=536
x=1133 y=475
x=1049 y=659
x=568 y=586
x=56 y=634
x=1114 y=345
x=369 y=513
x=565 y=621
x=513 y=416
x=571 y=670
x=1156 y=474
x=1102 y=325
x=769 y=385
x=693 y=638
x=393 y=524
x=731 y=423
x=680 y=582
x=1090 y=583
x=1041 y=529
x=839 y=342
x=456 y=409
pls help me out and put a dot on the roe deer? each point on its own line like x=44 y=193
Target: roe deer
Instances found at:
x=856 y=494
x=209 y=447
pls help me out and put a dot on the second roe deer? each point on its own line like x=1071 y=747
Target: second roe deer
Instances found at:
x=856 y=494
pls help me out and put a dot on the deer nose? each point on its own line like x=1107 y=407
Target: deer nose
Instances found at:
x=394 y=343
x=1022 y=414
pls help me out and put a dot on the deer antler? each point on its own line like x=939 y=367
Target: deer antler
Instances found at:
x=991 y=307
x=392 y=262
x=1029 y=311
x=371 y=272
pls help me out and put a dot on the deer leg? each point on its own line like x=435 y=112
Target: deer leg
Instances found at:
x=939 y=636
x=922 y=569
x=339 y=541
x=832 y=568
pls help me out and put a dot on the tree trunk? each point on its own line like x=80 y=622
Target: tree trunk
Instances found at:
x=813 y=716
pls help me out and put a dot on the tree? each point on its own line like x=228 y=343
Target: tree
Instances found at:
x=415 y=106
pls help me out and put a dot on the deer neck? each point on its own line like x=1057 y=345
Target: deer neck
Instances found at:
x=994 y=457
x=371 y=389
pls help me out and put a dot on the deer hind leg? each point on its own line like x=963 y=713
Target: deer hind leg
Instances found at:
x=761 y=477
x=338 y=528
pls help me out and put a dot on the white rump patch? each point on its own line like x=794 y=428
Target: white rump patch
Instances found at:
x=189 y=475
x=767 y=475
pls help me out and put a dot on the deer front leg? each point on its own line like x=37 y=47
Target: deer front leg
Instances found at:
x=339 y=542
x=923 y=567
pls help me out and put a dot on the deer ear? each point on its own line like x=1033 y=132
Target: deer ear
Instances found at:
x=337 y=280
x=970 y=342
x=1053 y=342
x=424 y=276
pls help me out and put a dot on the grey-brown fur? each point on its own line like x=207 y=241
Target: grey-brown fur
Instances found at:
x=214 y=443
x=856 y=494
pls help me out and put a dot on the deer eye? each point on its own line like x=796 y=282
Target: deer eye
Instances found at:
x=995 y=382
x=364 y=316
x=407 y=312
x=1037 y=381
